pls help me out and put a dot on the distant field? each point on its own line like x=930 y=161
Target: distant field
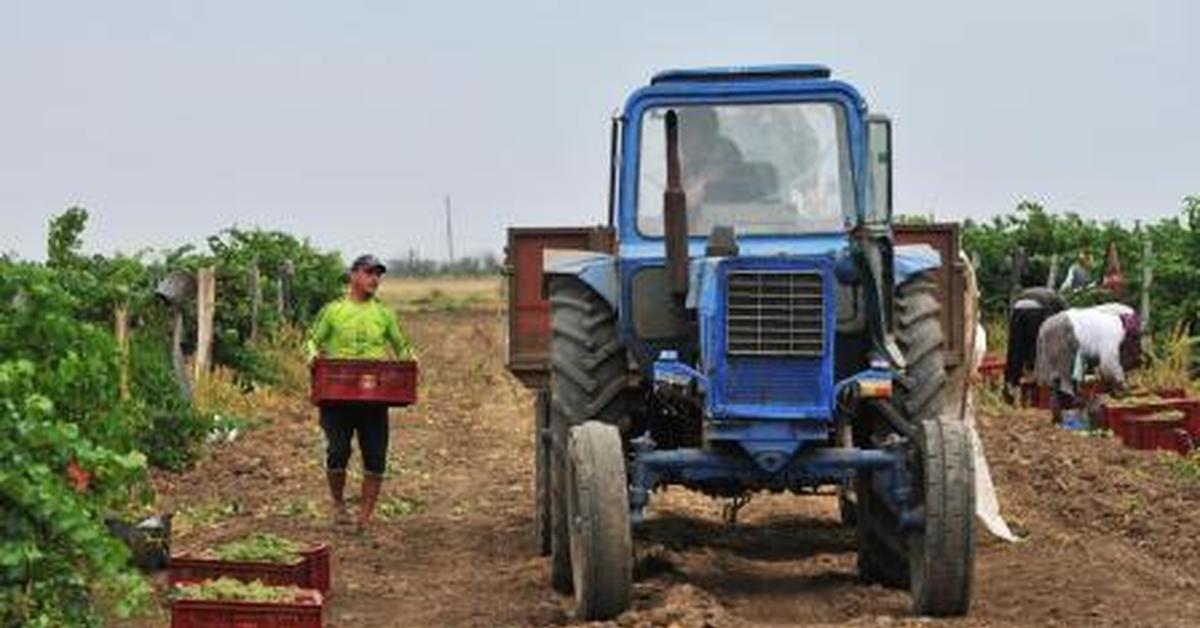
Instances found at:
x=443 y=293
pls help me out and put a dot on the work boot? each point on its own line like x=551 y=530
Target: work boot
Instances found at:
x=337 y=493
x=371 y=484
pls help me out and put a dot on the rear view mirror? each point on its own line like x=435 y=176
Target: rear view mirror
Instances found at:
x=879 y=168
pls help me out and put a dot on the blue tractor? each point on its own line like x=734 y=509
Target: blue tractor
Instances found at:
x=745 y=322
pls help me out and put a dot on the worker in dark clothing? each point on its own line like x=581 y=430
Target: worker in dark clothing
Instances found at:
x=1029 y=310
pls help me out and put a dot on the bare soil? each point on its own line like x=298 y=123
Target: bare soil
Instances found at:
x=1112 y=536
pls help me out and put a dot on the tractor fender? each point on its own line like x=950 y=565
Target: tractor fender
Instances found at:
x=911 y=260
x=597 y=270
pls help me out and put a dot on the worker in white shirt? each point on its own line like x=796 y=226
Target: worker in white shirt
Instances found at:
x=1107 y=336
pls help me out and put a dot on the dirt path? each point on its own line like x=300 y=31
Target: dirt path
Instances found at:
x=1113 y=536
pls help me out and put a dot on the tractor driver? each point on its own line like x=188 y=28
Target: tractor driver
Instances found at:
x=708 y=160
x=717 y=174
x=357 y=326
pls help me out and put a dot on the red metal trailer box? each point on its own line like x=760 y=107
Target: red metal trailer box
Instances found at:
x=528 y=308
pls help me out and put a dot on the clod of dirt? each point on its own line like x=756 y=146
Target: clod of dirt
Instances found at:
x=679 y=605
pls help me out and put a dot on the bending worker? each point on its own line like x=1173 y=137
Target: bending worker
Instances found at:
x=357 y=326
x=1108 y=336
x=1029 y=310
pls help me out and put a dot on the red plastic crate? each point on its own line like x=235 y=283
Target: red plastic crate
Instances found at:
x=1156 y=432
x=310 y=572
x=1116 y=416
x=368 y=381
x=991 y=368
x=1035 y=396
x=1041 y=397
x=304 y=612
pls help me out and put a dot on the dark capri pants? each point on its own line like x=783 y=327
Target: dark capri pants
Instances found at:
x=369 y=421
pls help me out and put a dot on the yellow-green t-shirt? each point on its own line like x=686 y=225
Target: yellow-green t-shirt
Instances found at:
x=362 y=330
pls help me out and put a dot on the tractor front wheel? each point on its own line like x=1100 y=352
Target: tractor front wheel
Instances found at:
x=587 y=382
x=942 y=554
x=919 y=393
x=599 y=527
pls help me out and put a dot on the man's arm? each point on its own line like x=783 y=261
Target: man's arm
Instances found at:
x=1108 y=336
x=318 y=333
x=1111 y=370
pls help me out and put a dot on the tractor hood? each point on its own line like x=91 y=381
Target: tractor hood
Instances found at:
x=766 y=335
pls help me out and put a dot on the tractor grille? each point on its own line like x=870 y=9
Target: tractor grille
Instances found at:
x=779 y=313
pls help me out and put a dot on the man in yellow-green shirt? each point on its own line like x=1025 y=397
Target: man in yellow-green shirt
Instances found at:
x=357 y=326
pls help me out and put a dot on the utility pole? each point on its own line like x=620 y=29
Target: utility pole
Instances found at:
x=449 y=231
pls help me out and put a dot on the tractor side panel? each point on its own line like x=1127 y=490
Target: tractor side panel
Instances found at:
x=528 y=355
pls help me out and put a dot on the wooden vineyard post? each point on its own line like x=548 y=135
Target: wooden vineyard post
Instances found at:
x=121 y=329
x=206 y=291
x=1147 y=281
x=178 y=365
x=283 y=283
x=1017 y=270
x=174 y=290
x=255 y=299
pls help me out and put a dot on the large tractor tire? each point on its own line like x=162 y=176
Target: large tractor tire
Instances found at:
x=921 y=390
x=587 y=382
x=942 y=554
x=541 y=473
x=598 y=511
x=918 y=395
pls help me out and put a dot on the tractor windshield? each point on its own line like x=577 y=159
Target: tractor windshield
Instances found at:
x=778 y=168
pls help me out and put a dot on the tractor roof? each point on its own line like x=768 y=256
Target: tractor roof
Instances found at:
x=736 y=73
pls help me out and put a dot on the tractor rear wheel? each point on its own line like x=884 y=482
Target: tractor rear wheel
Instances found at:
x=918 y=396
x=942 y=554
x=921 y=390
x=881 y=552
x=541 y=473
x=598 y=512
x=588 y=377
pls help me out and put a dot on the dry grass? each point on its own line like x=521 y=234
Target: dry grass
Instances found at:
x=1168 y=365
x=997 y=336
x=221 y=394
x=409 y=294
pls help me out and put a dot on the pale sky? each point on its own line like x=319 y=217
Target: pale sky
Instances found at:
x=348 y=121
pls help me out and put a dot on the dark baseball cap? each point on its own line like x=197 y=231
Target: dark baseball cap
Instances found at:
x=368 y=261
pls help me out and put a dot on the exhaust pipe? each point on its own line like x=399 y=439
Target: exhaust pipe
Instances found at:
x=675 y=215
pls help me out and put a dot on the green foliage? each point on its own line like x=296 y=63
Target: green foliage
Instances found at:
x=316 y=278
x=66 y=237
x=399 y=506
x=75 y=445
x=59 y=407
x=171 y=429
x=1186 y=468
x=1043 y=235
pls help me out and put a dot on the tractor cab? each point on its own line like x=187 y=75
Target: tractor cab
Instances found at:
x=741 y=196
